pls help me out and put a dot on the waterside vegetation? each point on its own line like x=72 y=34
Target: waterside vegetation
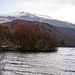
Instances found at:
x=26 y=39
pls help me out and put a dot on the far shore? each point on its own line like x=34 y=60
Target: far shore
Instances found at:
x=11 y=50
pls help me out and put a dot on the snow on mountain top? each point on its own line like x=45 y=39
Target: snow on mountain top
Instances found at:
x=15 y=14
x=18 y=14
x=43 y=16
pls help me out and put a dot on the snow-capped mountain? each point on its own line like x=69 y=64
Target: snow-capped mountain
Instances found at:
x=37 y=17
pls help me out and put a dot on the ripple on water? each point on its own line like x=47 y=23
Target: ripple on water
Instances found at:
x=58 y=63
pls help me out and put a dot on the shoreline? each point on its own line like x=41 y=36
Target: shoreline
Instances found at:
x=33 y=51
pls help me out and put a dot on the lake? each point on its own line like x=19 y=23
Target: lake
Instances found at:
x=61 y=62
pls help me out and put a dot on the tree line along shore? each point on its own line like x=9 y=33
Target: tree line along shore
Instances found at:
x=26 y=38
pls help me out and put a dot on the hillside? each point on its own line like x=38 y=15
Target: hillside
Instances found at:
x=64 y=36
x=4 y=20
x=40 y=18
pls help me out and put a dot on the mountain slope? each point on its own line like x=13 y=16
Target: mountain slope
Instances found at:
x=4 y=20
x=40 y=18
x=64 y=36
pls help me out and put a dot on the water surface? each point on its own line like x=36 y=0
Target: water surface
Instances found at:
x=61 y=62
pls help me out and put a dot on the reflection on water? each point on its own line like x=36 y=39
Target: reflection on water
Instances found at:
x=61 y=62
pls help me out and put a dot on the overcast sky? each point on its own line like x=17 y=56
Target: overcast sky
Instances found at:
x=58 y=9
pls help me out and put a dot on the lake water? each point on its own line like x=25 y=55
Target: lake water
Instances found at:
x=61 y=62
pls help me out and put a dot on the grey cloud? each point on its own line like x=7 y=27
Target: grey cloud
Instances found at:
x=65 y=1
x=55 y=1
x=72 y=2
